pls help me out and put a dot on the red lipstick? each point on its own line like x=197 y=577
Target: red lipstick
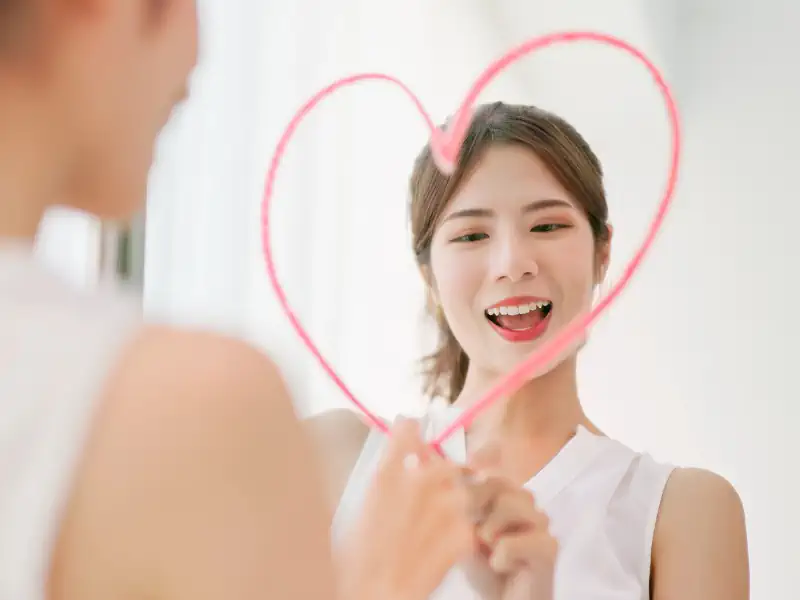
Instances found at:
x=520 y=318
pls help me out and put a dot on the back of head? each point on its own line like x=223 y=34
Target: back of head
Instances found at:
x=86 y=90
x=8 y=16
x=563 y=152
x=173 y=482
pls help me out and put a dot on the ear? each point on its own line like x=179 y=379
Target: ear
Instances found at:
x=604 y=256
x=430 y=284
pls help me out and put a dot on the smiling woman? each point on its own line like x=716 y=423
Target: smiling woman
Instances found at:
x=538 y=199
x=512 y=247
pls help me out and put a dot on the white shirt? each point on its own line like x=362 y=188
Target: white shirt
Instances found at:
x=601 y=497
x=57 y=348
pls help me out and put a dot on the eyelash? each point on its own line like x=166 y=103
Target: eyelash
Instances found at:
x=463 y=239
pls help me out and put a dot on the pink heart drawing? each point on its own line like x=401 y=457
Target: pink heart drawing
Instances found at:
x=445 y=146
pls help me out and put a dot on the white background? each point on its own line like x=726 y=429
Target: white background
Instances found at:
x=694 y=364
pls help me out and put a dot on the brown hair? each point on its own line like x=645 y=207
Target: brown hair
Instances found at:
x=21 y=27
x=9 y=17
x=563 y=151
x=18 y=18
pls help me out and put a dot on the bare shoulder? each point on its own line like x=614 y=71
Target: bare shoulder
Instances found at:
x=701 y=497
x=339 y=437
x=177 y=488
x=696 y=489
x=700 y=541
x=336 y=427
x=182 y=378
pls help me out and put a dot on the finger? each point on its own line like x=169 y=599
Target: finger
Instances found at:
x=443 y=475
x=438 y=450
x=485 y=489
x=484 y=492
x=443 y=509
x=449 y=532
x=511 y=511
x=405 y=440
x=432 y=454
x=530 y=550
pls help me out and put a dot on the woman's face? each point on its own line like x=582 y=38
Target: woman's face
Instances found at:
x=513 y=259
x=116 y=71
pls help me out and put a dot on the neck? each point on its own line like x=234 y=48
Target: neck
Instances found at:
x=19 y=216
x=546 y=407
x=28 y=178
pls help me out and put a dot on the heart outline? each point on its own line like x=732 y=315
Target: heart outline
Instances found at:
x=445 y=146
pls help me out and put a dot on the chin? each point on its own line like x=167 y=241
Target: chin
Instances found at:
x=505 y=356
x=508 y=363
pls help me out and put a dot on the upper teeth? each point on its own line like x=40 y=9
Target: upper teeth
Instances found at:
x=519 y=309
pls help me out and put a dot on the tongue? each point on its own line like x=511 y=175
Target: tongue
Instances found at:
x=517 y=322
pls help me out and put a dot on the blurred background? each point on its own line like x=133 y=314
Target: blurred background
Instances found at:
x=693 y=365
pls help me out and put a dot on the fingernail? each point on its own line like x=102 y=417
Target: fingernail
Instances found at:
x=479 y=477
x=411 y=462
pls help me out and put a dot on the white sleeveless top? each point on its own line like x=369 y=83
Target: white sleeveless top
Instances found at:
x=602 y=500
x=57 y=346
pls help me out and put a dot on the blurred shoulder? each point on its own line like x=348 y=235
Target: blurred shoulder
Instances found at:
x=194 y=420
x=339 y=437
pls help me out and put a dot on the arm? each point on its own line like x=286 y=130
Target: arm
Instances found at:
x=700 y=542
x=198 y=483
x=338 y=437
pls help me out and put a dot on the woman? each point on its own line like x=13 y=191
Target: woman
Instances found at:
x=512 y=247
x=135 y=461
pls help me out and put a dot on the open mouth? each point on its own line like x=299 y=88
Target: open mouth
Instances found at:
x=520 y=321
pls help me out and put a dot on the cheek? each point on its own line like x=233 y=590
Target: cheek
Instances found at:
x=573 y=271
x=179 y=46
x=458 y=280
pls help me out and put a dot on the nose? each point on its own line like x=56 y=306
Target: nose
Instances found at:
x=513 y=260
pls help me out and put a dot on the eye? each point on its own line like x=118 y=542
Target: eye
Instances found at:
x=470 y=237
x=548 y=227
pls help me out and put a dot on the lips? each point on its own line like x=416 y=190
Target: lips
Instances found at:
x=520 y=318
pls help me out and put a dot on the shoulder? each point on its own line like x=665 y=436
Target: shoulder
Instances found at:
x=193 y=373
x=691 y=489
x=195 y=360
x=335 y=426
x=339 y=437
x=193 y=433
x=696 y=500
x=700 y=539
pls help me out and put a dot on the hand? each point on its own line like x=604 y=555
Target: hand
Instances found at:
x=517 y=553
x=415 y=525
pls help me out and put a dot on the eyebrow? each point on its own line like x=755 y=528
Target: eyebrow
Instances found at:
x=528 y=208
